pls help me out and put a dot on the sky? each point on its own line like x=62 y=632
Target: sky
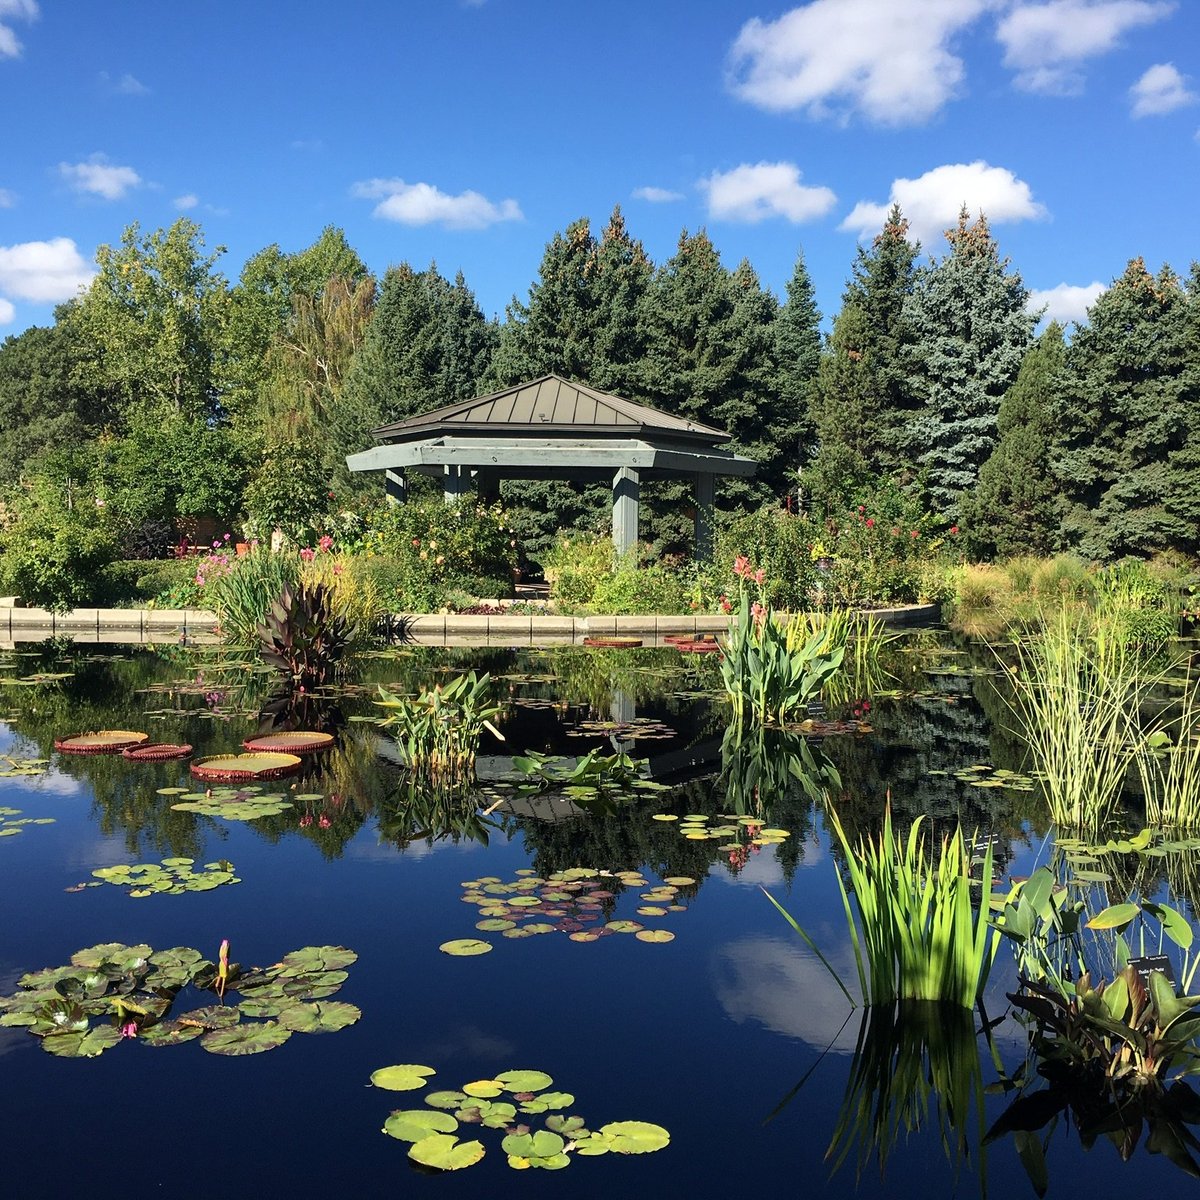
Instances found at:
x=466 y=132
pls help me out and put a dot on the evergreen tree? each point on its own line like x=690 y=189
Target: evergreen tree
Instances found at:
x=619 y=273
x=798 y=358
x=847 y=405
x=1128 y=462
x=1014 y=509
x=881 y=283
x=968 y=315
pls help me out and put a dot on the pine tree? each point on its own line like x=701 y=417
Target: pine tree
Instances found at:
x=619 y=274
x=798 y=358
x=968 y=315
x=1014 y=509
x=881 y=283
x=1128 y=464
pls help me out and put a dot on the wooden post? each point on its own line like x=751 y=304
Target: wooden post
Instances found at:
x=626 y=491
x=395 y=486
x=455 y=484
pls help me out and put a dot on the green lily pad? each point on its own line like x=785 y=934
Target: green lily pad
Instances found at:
x=325 y=1017
x=635 y=1137
x=442 y=1099
x=542 y=1144
x=484 y=1088
x=405 y=1077
x=411 y=1125
x=524 y=1081
x=247 y=1038
x=310 y=959
x=654 y=935
x=82 y=1044
x=169 y=1033
x=444 y=1152
x=494 y=925
x=548 y=1102
x=465 y=947
x=625 y=926
x=215 y=1016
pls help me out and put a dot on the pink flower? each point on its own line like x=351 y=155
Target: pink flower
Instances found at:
x=200 y=580
x=217 y=545
x=326 y=543
x=916 y=533
x=416 y=541
x=760 y=576
x=862 y=508
x=308 y=554
x=758 y=612
x=129 y=1029
x=324 y=822
x=337 y=568
x=227 y=537
x=741 y=566
x=870 y=522
x=953 y=529
x=305 y=822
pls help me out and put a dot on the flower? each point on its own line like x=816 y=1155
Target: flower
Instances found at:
x=326 y=543
x=308 y=554
x=741 y=566
x=760 y=576
x=424 y=553
x=305 y=822
x=416 y=542
x=862 y=508
x=324 y=822
x=916 y=533
x=129 y=1029
x=895 y=531
x=870 y=522
x=953 y=529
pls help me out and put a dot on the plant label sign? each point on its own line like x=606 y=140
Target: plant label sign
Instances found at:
x=1153 y=962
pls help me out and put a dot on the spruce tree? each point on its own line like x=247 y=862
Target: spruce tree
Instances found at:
x=968 y=315
x=1128 y=462
x=798 y=358
x=881 y=283
x=1014 y=509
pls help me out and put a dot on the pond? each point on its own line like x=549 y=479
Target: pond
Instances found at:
x=721 y=1026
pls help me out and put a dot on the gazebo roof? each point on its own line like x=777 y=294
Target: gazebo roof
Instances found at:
x=550 y=406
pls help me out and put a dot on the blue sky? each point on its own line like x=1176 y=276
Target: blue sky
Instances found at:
x=468 y=132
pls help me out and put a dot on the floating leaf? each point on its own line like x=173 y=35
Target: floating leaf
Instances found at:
x=654 y=935
x=1116 y=916
x=81 y=1045
x=444 y=1152
x=465 y=947
x=411 y=1125
x=437 y=1099
x=404 y=1077
x=524 y=1081
x=246 y=1038
x=484 y=1088
x=635 y=1137
x=324 y=1017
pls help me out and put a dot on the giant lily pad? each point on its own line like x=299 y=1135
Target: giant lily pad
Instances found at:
x=264 y=765
x=444 y=1152
x=103 y=741
x=296 y=741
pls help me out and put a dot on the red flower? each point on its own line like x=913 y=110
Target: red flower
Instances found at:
x=416 y=541
x=953 y=529
x=308 y=554
x=870 y=522
x=741 y=566
x=916 y=533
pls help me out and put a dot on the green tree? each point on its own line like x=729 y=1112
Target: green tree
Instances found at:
x=42 y=406
x=847 y=405
x=1014 y=509
x=1128 y=462
x=972 y=329
x=149 y=328
x=882 y=279
x=798 y=358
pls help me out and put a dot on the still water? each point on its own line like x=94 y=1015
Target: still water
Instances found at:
x=732 y=1036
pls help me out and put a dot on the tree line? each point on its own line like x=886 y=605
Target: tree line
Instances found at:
x=166 y=392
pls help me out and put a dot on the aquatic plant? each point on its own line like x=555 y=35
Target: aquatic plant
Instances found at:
x=771 y=672
x=759 y=766
x=1103 y=1053
x=112 y=993
x=1078 y=691
x=506 y=1102
x=12 y=823
x=918 y=935
x=242 y=592
x=232 y=803
x=1170 y=767
x=171 y=877
x=304 y=636
x=437 y=732
x=590 y=775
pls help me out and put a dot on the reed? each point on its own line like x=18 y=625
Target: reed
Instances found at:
x=1170 y=766
x=1078 y=692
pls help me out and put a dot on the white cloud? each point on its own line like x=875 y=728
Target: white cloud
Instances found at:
x=1160 y=90
x=1046 y=43
x=123 y=85
x=891 y=62
x=186 y=201
x=754 y=193
x=932 y=201
x=424 y=204
x=656 y=195
x=99 y=177
x=7 y=312
x=7 y=199
x=43 y=272
x=1066 y=302
x=20 y=10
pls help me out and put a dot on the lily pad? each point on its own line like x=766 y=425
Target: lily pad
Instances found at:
x=524 y=1081
x=169 y=1033
x=444 y=1152
x=635 y=1137
x=483 y=1088
x=465 y=947
x=654 y=935
x=411 y=1125
x=81 y=1045
x=246 y=1038
x=323 y=1017
x=404 y=1077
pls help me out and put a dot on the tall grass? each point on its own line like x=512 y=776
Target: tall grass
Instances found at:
x=915 y=932
x=1170 y=766
x=242 y=597
x=1078 y=692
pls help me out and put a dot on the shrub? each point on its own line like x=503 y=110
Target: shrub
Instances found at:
x=574 y=566
x=782 y=545
x=637 y=590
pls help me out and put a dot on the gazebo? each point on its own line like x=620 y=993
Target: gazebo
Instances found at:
x=552 y=428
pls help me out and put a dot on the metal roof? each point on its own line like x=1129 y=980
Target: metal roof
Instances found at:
x=545 y=406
